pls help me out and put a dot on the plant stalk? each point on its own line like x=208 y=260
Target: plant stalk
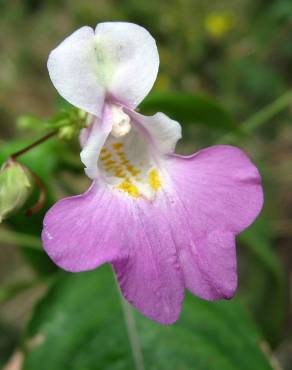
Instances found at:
x=259 y=118
x=15 y=155
x=132 y=331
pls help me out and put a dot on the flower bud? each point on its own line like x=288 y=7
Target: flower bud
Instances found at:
x=67 y=132
x=15 y=187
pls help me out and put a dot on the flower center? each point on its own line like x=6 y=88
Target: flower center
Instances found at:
x=126 y=161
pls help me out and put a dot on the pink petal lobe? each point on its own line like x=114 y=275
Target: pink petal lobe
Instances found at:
x=151 y=279
x=80 y=232
x=217 y=194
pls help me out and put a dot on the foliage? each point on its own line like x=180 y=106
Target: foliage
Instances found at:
x=81 y=322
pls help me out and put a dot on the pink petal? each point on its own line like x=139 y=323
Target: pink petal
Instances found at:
x=79 y=232
x=185 y=237
x=217 y=194
x=151 y=279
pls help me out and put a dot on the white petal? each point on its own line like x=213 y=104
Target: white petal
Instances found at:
x=132 y=59
x=163 y=132
x=73 y=70
x=119 y=61
x=93 y=139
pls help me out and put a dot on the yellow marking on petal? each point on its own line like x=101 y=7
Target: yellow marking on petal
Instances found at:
x=110 y=168
x=133 y=171
x=119 y=173
x=109 y=162
x=129 y=188
x=106 y=156
x=154 y=180
x=117 y=146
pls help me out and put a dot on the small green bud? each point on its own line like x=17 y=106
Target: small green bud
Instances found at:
x=15 y=187
x=81 y=114
x=67 y=132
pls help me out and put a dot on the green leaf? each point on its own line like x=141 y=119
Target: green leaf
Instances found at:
x=79 y=326
x=190 y=109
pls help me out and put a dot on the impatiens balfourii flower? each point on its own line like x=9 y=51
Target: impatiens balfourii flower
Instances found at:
x=165 y=222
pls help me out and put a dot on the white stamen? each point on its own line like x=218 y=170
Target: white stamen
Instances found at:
x=121 y=122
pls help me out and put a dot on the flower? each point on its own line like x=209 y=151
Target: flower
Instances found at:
x=165 y=222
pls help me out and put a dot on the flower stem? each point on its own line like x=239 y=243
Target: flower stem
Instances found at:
x=33 y=145
x=19 y=239
x=268 y=112
x=42 y=196
x=132 y=332
x=10 y=291
x=261 y=117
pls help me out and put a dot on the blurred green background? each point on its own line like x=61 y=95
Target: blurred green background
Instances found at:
x=225 y=74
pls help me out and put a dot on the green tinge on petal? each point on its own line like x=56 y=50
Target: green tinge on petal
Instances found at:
x=105 y=64
x=15 y=188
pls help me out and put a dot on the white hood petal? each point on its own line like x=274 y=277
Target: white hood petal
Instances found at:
x=119 y=61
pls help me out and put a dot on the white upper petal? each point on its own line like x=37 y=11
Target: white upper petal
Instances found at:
x=73 y=70
x=133 y=53
x=119 y=61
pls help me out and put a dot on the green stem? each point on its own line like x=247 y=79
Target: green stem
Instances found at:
x=268 y=112
x=33 y=145
x=10 y=291
x=132 y=332
x=19 y=239
x=261 y=117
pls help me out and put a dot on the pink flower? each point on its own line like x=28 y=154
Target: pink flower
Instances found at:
x=165 y=222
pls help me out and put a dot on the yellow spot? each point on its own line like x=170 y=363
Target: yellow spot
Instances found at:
x=129 y=188
x=104 y=150
x=154 y=180
x=117 y=146
x=106 y=156
x=109 y=163
x=133 y=171
x=119 y=173
x=110 y=168
x=218 y=24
